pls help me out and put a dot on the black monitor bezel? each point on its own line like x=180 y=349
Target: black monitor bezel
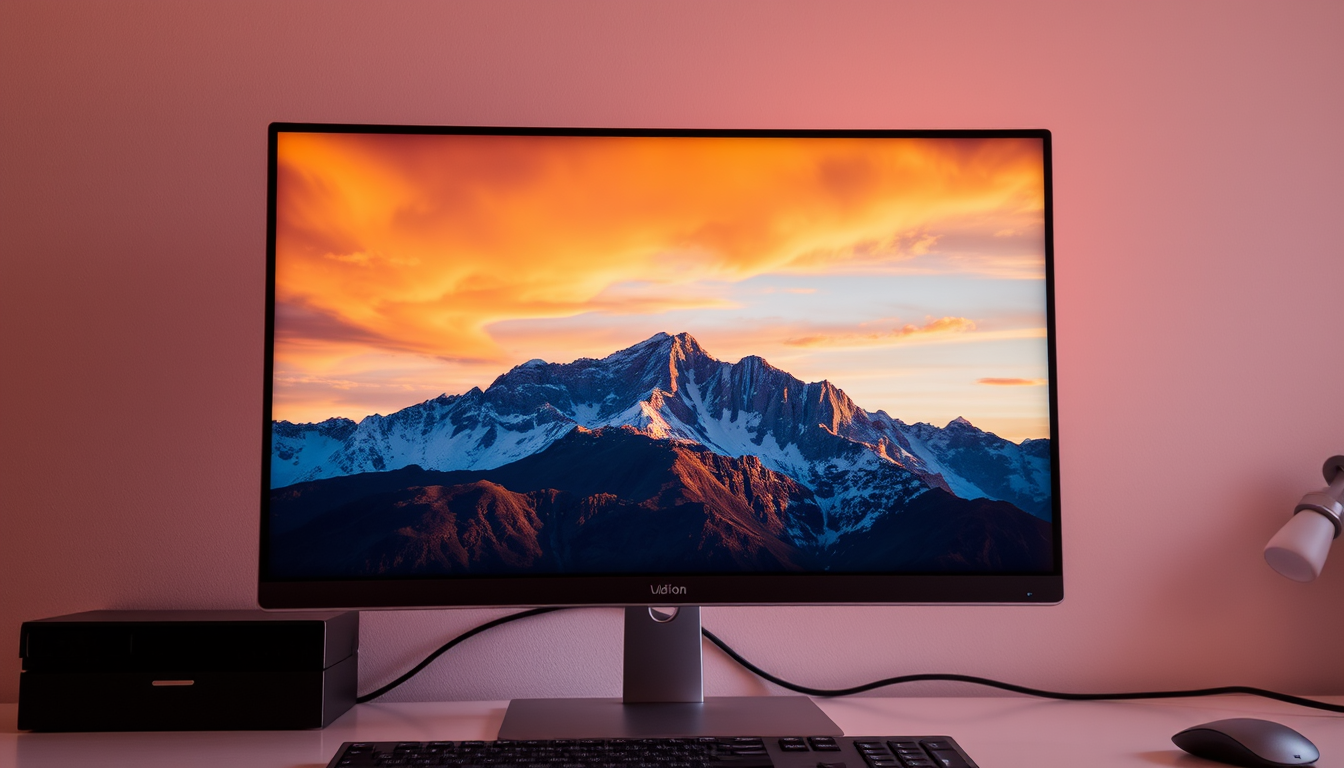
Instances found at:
x=639 y=589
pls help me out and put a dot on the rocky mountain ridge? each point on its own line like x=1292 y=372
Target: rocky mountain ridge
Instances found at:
x=855 y=465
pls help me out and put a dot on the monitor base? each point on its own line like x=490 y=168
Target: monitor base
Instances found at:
x=715 y=716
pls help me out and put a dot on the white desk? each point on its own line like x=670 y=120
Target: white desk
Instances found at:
x=997 y=732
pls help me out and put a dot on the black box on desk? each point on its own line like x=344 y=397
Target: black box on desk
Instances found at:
x=187 y=670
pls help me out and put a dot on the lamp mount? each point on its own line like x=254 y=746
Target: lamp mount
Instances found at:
x=1330 y=500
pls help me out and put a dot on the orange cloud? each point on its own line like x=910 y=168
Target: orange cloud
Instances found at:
x=943 y=325
x=1009 y=382
x=563 y=217
x=422 y=244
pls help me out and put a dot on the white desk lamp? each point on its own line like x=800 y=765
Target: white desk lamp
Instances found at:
x=1298 y=550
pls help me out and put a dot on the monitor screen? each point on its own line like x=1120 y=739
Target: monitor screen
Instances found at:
x=602 y=367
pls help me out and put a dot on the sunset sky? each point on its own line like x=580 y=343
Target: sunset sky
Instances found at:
x=910 y=273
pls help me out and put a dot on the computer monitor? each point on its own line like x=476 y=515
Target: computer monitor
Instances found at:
x=534 y=367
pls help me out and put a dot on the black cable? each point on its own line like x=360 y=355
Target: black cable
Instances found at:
x=898 y=680
x=831 y=692
x=446 y=646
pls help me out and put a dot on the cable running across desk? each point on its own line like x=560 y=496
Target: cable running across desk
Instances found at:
x=898 y=680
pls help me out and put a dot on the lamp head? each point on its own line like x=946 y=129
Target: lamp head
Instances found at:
x=1299 y=549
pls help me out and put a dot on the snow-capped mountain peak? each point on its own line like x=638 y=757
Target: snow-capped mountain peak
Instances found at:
x=857 y=464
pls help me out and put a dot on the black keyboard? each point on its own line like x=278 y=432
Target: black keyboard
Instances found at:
x=703 y=752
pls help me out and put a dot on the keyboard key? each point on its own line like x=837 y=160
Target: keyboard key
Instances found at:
x=823 y=743
x=949 y=759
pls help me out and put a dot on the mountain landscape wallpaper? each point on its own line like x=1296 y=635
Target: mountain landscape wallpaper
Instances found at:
x=639 y=355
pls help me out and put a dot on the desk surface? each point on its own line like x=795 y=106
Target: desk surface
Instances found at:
x=997 y=732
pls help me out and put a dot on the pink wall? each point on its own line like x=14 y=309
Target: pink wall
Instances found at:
x=1198 y=200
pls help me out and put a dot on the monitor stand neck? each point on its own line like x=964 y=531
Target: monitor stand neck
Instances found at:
x=663 y=663
x=664 y=695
